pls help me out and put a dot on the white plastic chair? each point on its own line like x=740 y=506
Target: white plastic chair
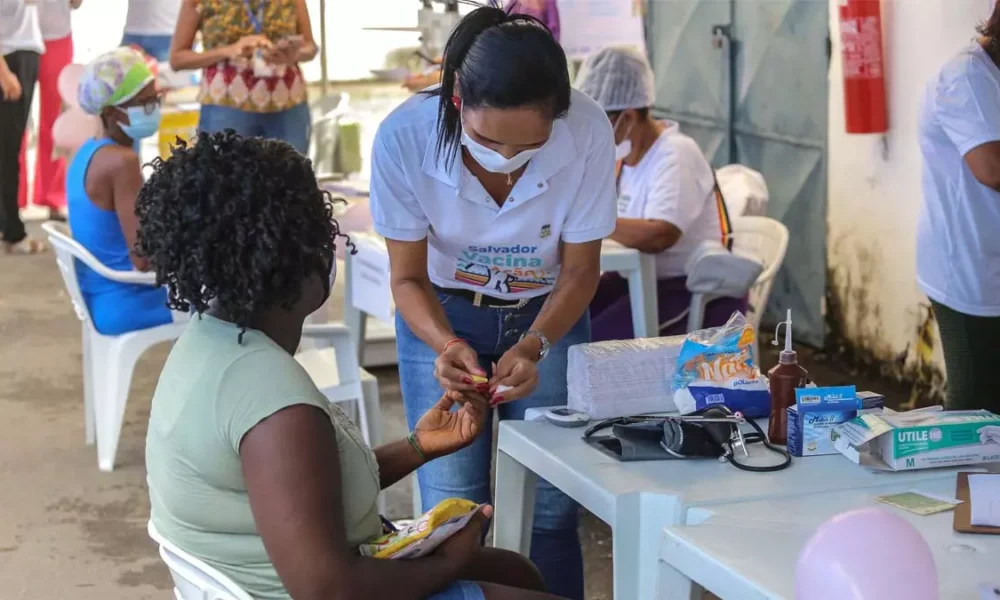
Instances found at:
x=108 y=361
x=332 y=363
x=193 y=579
x=767 y=240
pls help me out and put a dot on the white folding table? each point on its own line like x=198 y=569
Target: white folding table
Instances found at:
x=748 y=551
x=638 y=268
x=639 y=499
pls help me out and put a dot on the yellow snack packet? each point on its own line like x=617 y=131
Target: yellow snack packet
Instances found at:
x=425 y=534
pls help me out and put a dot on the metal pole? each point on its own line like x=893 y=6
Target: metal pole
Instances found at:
x=324 y=73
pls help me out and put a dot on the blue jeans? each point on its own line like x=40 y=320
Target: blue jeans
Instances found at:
x=460 y=590
x=157 y=46
x=293 y=125
x=555 y=545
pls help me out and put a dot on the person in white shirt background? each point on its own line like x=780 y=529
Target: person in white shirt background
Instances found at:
x=149 y=24
x=494 y=191
x=668 y=201
x=958 y=235
x=21 y=48
x=54 y=19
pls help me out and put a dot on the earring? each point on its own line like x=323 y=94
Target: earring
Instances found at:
x=456 y=102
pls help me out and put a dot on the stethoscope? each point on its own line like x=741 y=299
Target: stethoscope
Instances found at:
x=737 y=440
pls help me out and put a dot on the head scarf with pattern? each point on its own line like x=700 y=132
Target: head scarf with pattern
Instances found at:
x=113 y=78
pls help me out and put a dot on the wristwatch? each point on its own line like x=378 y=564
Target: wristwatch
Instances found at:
x=546 y=346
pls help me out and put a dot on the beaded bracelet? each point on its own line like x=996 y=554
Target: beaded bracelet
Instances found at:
x=412 y=438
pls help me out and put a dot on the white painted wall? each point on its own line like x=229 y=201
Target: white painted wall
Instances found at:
x=874 y=189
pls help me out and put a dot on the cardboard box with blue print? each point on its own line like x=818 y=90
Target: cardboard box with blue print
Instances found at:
x=818 y=410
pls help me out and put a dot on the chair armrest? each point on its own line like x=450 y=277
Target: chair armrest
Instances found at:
x=326 y=330
x=136 y=277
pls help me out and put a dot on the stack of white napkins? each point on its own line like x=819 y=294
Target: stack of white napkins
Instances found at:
x=984 y=495
x=623 y=378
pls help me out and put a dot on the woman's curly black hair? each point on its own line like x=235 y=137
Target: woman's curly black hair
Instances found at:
x=238 y=222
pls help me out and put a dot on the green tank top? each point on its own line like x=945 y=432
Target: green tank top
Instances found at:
x=211 y=392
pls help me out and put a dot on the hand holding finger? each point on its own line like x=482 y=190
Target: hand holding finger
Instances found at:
x=452 y=378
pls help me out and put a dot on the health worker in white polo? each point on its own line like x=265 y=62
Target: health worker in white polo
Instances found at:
x=668 y=202
x=958 y=234
x=494 y=192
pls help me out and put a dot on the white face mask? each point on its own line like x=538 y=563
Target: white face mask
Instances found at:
x=493 y=161
x=625 y=147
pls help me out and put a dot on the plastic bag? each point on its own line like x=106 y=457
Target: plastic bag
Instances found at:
x=744 y=189
x=716 y=366
x=425 y=534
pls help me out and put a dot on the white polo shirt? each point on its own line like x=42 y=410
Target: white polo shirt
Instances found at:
x=958 y=246
x=673 y=182
x=567 y=193
x=19 y=29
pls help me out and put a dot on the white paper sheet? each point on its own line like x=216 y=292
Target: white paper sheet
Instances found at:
x=370 y=289
x=984 y=496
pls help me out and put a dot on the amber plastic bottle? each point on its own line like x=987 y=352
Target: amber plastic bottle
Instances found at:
x=783 y=379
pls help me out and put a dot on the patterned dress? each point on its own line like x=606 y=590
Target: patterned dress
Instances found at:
x=233 y=83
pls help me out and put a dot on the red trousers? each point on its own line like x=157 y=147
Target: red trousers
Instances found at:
x=50 y=174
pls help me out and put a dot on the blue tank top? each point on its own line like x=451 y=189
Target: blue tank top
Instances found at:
x=114 y=307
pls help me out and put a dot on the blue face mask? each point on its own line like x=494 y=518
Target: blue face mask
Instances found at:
x=141 y=124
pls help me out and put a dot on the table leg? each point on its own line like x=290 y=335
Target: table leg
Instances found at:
x=514 y=505
x=636 y=533
x=674 y=585
x=642 y=296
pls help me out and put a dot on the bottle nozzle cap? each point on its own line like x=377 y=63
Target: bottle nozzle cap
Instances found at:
x=788 y=357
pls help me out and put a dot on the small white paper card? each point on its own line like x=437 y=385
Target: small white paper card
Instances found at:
x=370 y=289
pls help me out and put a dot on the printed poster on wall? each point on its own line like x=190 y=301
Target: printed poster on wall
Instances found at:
x=586 y=26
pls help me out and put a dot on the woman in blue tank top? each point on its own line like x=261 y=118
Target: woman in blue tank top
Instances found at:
x=101 y=187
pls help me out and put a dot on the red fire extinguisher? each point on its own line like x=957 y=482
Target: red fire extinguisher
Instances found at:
x=863 y=65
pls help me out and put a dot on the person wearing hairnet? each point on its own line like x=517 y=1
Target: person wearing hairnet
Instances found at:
x=102 y=183
x=668 y=203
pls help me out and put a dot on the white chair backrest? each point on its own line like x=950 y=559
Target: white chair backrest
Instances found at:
x=193 y=579
x=66 y=249
x=767 y=239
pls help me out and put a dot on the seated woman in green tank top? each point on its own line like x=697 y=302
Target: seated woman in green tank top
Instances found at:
x=250 y=468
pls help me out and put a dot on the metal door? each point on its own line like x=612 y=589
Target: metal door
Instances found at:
x=748 y=80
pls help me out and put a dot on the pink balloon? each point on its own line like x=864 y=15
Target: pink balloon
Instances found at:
x=72 y=128
x=68 y=82
x=866 y=554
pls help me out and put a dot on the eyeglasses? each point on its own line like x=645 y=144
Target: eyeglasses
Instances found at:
x=149 y=107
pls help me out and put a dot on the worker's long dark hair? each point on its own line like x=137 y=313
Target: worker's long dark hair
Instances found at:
x=990 y=30
x=501 y=60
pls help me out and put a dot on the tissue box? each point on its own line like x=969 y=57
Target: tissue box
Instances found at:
x=623 y=377
x=813 y=416
x=920 y=439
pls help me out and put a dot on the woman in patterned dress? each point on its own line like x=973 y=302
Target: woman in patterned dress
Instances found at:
x=251 y=79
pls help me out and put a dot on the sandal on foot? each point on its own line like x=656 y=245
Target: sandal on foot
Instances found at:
x=25 y=247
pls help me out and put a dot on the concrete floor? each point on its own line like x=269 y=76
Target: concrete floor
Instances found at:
x=70 y=531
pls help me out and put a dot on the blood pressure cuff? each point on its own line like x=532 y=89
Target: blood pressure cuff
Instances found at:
x=666 y=438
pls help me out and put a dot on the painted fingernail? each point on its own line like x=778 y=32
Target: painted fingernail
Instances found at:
x=498 y=399
x=466 y=380
x=483 y=388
